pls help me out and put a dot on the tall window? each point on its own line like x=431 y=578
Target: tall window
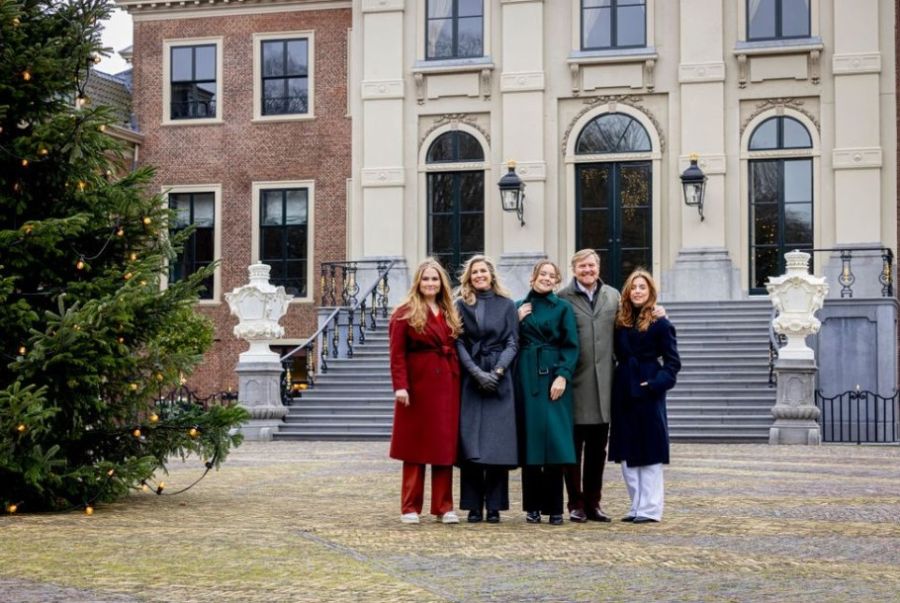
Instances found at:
x=197 y=210
x=285 y=76
x=777 y=19
x=454 y=29
x=284 y=237
x=192 y=72
x=781 y=198
x=455 y=200
x=613 y=24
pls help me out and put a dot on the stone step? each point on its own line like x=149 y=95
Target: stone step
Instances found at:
x=719 y=436
x=316 y=434
x=321 y=419
x=759 y=420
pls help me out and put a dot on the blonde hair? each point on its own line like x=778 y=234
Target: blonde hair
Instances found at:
x=630 y=316
x=583 y=254
x=414 y=308
x=537 y=270
x=466 y=291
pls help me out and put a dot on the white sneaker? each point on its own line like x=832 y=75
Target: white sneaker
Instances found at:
x=450 y=517
x=410 y=518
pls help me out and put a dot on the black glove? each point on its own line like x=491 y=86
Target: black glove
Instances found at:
x=486 y=381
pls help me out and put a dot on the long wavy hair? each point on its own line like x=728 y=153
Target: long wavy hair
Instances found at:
x=414 y=308
x=629 y=315
x=466 y=291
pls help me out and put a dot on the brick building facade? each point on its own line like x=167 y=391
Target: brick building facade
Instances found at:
x=245 y=117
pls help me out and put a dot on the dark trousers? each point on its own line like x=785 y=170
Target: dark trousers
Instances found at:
x=542 y=488
x=483 y=486
x=584 y=482
x=412 y=491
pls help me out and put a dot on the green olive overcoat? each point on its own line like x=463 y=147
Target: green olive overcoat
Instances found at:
x=548 y=348
x=593 y=378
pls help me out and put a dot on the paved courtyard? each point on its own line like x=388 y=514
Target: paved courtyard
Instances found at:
x=320 y=522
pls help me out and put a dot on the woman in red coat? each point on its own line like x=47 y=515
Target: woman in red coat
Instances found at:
x=425 y=374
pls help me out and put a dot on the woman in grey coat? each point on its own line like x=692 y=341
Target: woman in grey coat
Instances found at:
x=487 y=420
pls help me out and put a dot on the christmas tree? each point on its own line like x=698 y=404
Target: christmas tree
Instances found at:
x=90 y=336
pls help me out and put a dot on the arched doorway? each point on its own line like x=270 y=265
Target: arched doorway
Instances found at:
x=613 y=199
x=780 y=196
x=455 y=200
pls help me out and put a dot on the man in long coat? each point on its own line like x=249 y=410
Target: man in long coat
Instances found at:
x=595 y=304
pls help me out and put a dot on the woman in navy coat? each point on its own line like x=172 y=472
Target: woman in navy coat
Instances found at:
x=647 y=362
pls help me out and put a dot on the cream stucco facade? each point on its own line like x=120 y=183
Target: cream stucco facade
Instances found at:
x=697 y=86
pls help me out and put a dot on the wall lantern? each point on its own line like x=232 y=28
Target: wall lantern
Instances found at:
x=512 y=192
x=694 y=182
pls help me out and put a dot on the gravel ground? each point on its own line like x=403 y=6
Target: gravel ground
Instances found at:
x=319 y=521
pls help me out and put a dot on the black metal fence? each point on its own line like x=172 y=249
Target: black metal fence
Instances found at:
x=859 y=416
x=184 y=396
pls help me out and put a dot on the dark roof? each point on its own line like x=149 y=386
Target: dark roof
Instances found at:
x=112 y=91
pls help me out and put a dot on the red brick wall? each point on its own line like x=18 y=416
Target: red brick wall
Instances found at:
x=237 y=152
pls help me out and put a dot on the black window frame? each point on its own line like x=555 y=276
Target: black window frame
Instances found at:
x=302 y=290
x=213 y=104
x=285 y=77
x=187 y=263
x=779 y=25
x=613 y=9
x=455 y=19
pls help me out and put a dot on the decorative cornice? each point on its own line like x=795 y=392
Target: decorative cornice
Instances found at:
x=631 y=100
x=768 y=104
x=454 y=119
x=149 y=10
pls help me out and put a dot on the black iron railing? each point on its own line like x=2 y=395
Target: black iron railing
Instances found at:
x=859 y=416
x=184 y=396
x=340 y=287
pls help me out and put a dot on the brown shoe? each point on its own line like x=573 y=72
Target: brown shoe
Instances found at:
x=578 y=516
x=598 y=515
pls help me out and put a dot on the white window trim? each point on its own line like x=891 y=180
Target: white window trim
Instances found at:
x=626 y=54
x=168 y=44
x=258 y=39
x=421 y=18
x=257 y=188
x=216 y=190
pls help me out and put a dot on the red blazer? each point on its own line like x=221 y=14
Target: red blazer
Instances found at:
x=425 y=364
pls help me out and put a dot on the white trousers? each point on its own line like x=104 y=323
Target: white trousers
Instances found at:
x=645 y=487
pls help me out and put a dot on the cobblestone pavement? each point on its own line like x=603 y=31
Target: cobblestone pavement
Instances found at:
x=319 y=521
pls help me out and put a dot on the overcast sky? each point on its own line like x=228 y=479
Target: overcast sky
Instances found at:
x=117 y=35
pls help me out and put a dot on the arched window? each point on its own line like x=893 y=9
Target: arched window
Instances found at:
x=781 y=196
x=455 y=200
x=612 y=133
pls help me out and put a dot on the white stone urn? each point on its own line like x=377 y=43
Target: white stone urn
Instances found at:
x=259 y=306
x=797 y=295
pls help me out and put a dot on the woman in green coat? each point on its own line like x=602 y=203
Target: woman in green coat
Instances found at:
x=548 y=352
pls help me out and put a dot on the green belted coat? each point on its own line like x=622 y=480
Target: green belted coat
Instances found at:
x=548 y=348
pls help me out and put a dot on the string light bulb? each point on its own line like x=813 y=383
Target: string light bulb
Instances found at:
x=26 y=75
x=133 y=386
x=159 y=376
x=153 y=417
x=89 y=510
x=132 y=256
x=21 y=427
x=111 y=472
x=136 y=433
x=120 y=339
x=79 y=265
x=96 y=58
x=22 y=350
x=120 y=232
x=82 y=185
x=145 y=487
x=12 y=508
x=147 y=220
x=193 y=432
x=24 y=163
x=43 y=152
x=27 y=229
x=102 y=127
x=127 y=276
x=160 y=487
x=16 y=22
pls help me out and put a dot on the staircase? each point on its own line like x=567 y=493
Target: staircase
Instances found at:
x=722 y=394
x=354 y=400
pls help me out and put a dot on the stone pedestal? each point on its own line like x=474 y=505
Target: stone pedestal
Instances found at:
x=795 y=409
x=259 y=387
x=702 y=274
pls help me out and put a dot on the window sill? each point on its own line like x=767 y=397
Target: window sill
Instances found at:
x=453 y=65
x=618 y=56
x=812 y=46
x=264 y=119
x=193 y=122
x=209 y=302
x=613 y=55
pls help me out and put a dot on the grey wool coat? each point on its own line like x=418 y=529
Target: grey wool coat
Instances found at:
x=487 y=420
x=593 y=378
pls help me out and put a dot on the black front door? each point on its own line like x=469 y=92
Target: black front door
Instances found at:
x=614 y=216
x=455 y=218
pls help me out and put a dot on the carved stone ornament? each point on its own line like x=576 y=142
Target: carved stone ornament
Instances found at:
x=780 y=104
x=797 y=295
x=632 y=100
x=453 y=120
x=259 y=306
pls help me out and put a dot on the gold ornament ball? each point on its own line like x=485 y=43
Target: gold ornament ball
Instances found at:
x=133 y=386
x=147 y=220
x=136 y=433
x=22 y=350
x=89 y=510
x=153 y=417
x=21 y=428
x=12 y=508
